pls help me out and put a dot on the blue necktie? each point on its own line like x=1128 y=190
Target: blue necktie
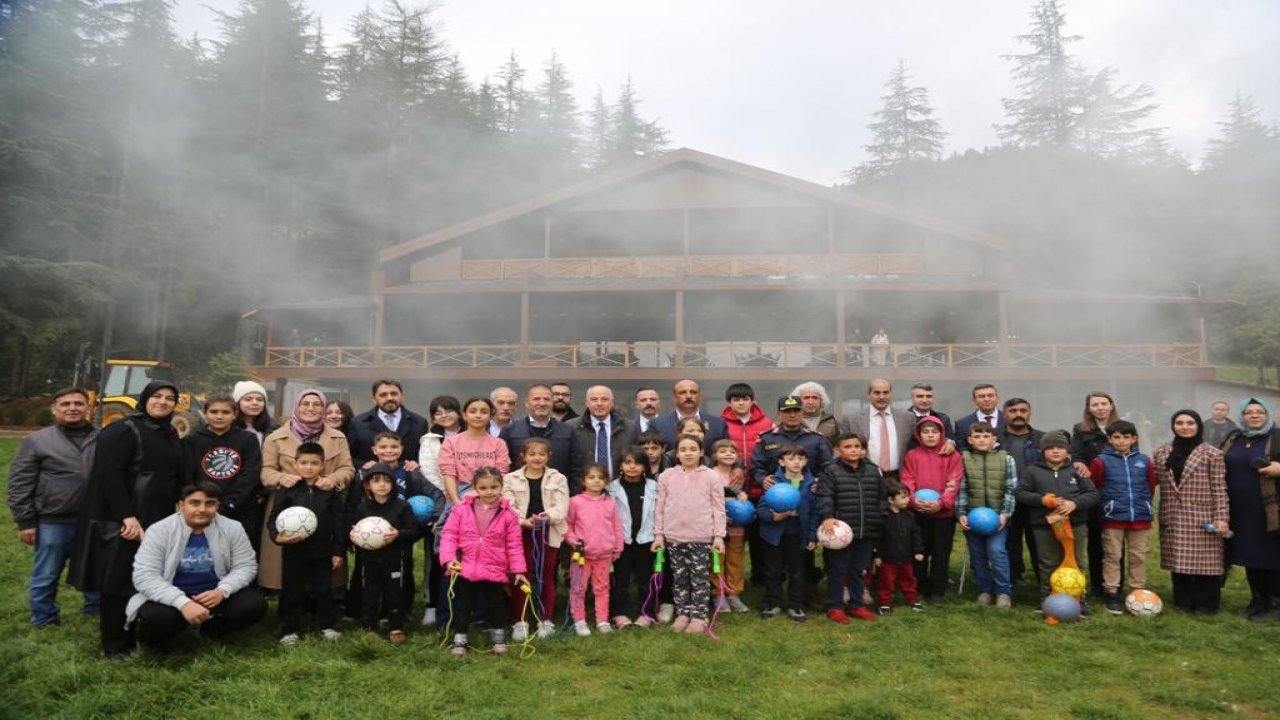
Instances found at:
x=602 y=446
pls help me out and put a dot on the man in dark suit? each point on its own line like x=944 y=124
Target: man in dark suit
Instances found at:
x=887 y=429
x=688 y=400
x=922 y=405
x=539 y=423
x=987 y=402
x=602 y=434
x=387 y=415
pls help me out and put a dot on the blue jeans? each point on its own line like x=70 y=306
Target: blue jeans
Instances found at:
x=846 y=566
x=54 y=542
x=990 y=558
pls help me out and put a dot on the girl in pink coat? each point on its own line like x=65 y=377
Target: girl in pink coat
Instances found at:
x=594 y=531
x=481 y=552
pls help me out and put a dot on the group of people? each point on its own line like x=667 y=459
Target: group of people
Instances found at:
x=603 y=503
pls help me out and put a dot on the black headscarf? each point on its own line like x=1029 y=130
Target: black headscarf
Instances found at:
x=140 y=412
x=1182 y=447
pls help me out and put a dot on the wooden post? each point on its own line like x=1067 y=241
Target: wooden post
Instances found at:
x=841 y=338
x=679 y=359
x=524 y=328
x=379 y=321
x=1002 y=310
x=279 y=396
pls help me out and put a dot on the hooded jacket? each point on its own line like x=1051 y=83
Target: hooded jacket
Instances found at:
x=745 y=434
x=493 y=557
x=643 y=534
x=926 y=468
x=801 y=524
x=233 y=462
x=555 y=499
x=1040 y=480
x=1126 y=485
x=594 y=522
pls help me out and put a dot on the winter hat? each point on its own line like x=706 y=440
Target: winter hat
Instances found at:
x=378 y=469
x=244 y=387
x=1053 y=439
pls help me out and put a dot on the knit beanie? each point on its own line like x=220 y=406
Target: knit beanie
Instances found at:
x=1054 y=438
x=244 y=387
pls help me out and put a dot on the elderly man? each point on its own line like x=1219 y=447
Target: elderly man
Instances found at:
x=46 y=480
x=193 y=568
x=539 y=423
x=388 y=415
x=888 y=430
x=504 y=401
x=815 y=403
x=602 y=434
x=688 y=401
x=648 y=404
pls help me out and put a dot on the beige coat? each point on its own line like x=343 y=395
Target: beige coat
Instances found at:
x=555 y=499
x=278 y=452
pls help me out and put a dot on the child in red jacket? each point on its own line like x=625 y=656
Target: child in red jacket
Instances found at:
x=594 y=532
x=931 y=466
x=481 y=552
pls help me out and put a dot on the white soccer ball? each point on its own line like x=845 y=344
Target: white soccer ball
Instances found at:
x=296 y=521
x=371 y=533
x=838 y=537
x=1143 y=603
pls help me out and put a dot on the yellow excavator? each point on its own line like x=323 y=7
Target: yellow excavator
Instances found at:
x=124 y=379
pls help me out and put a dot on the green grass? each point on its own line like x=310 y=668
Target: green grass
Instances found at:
x=1243 y=374
x=957 y=660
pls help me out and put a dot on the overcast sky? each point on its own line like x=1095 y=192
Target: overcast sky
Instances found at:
x=791 y=86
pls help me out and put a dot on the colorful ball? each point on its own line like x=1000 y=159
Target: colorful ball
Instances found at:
x=984 y=521
x=782 y=497
x=1143 y=603
x=837 y=537
x=1061 y=607
x=296 y=521
x=740 y=512
x=1068 y=581
x=927 y=496
x=371 y=533
x=422 y=507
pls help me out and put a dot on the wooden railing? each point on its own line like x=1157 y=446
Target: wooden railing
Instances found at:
x=712 y=266
x=742 y=354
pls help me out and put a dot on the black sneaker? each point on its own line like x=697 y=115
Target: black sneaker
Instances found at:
x=770 y=613
x=917 y=607
x=1084 y=608
x=797 y=615
x=1113 y=604
x=884 y=610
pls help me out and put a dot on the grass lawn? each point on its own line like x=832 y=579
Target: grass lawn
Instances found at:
x=957 y=660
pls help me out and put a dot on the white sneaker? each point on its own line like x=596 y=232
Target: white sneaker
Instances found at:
x=604 y=627
x=519 y=632
x=736 y=604
x=666 y=613
x=580 y=627
x=546 y=629
x=330 y=634
x=289 y=640
x=429 y=617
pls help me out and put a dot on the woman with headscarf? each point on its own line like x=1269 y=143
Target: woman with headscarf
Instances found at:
x=1193 y=514
x=134 y=483
x=1253 y=464
x=278 y=453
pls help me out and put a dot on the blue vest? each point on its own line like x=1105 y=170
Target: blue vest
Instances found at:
x=1126 y=496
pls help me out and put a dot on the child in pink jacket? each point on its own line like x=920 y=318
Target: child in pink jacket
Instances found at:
x=481 y=552
x=929 y=466
x=594 y=531
x=689 y=522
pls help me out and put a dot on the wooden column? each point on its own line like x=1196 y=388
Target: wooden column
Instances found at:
x=524 y=328
x=679 y=328
x=840 y=331
x=279 y=396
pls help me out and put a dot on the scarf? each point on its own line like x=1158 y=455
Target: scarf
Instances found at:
x=140 y=412
x=1266 y=427
x=304 y=430
x=1183 y=446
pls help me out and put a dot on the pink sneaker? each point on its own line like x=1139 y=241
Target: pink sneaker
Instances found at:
x=643 y=622
x=680 y=623
x=696 y=626
x=621 y=621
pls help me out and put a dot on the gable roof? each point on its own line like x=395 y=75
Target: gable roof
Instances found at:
x=651 y=166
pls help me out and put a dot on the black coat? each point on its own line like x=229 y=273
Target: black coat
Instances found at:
x=330 y=537
x=855 y=495
x=399 y=514
x=902 y=539
x=622 y=435
x=365 y=426
x=129 y=479
x=561 y=436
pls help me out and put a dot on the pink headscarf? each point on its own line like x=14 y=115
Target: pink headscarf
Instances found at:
x=303 y=430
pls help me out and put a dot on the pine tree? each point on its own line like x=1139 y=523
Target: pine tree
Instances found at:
x=513 y=101
x=630 y=136
x=555 y=132
x=1243 y=136
x=596 y=149
x=905 y=132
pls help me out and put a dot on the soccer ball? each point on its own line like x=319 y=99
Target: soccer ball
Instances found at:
x=782 y=497
x=422 y=507
x=1143 y=603
x=1067 y=581
x=740 y=512
x=984 y=521
x=371 y=533
x=1061 y=607
x=296 y=521
x=838 y=537
x=927 y=496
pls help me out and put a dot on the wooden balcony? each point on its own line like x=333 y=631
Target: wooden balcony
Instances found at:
x=703 y=266
x=740 y=355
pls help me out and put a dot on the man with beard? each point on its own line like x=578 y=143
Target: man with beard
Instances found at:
x=539 y=423
x=387 y=415
x=688 y=399
x=561 y=402
x=1022 y=442
x=648 y=404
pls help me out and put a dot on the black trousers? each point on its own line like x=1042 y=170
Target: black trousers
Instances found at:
x=382 y=580
x=939 y=535
x=1095 y=552
x=493 y=596
x=786 y=558
x=1264 y=586
x=1018 y=531
x=116 y=638
x=306 y=579
x=1197 y=593
x=632 y=570
x=157 y=623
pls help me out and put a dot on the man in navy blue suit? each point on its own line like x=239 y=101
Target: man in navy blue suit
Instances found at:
x=688 y=399
x=987 y=402
x=388 y=415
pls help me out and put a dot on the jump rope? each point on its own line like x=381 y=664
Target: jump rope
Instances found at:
x=527 y=648
x=655 y=589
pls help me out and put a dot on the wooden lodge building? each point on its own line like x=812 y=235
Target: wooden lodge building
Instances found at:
x=691 y=265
